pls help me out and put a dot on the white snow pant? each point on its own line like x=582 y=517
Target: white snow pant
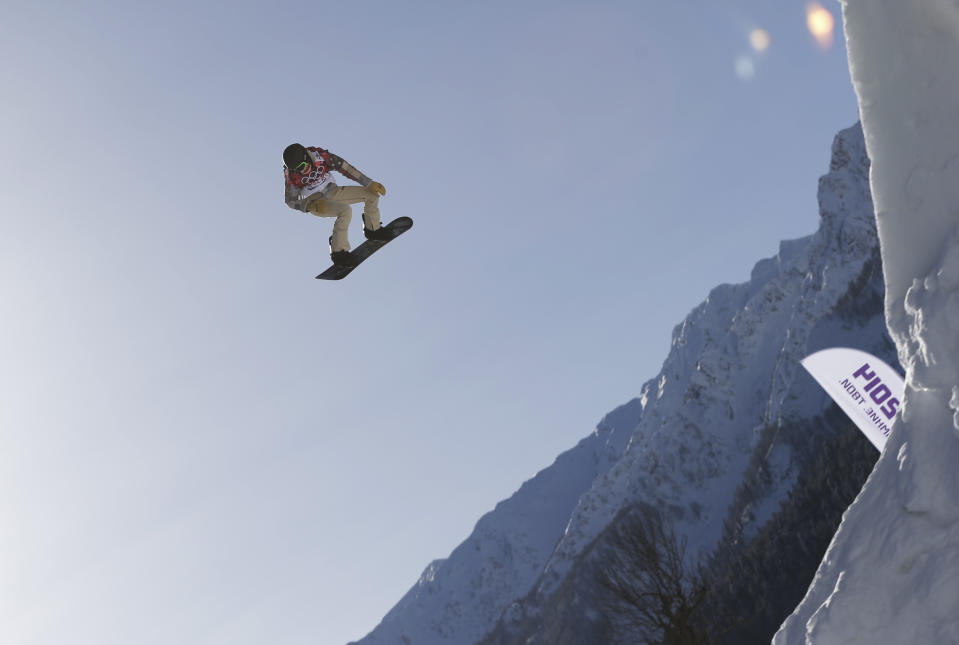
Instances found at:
x=337 y=202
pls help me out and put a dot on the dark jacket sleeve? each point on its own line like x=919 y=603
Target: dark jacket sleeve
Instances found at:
x=342 y=166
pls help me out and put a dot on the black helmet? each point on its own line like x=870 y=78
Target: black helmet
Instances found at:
x=295 y=154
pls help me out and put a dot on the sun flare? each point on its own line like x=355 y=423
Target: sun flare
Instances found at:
x=821 y=24
x=759 y=39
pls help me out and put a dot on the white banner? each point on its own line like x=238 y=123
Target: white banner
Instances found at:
x=868 y=390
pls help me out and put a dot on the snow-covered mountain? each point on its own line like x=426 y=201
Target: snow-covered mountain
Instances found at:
x=731 y=406
x=732 y=422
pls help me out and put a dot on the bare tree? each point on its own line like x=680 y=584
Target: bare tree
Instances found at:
x=649 y=589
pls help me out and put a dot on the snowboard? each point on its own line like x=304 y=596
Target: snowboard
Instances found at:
x=397 y=227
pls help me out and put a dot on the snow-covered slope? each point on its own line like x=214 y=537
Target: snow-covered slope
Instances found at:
x=890 y=573
x=731 y=380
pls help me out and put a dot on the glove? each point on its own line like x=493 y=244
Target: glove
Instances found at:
x=318 y=206
x=377 y=188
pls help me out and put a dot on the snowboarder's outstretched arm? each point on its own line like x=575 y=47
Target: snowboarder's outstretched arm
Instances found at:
x=345 y=168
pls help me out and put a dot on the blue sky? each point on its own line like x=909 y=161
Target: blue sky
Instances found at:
x=203 y=444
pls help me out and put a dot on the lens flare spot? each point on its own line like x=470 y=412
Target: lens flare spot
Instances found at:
x=821 y=24
x=760 y=40
x=745 y=68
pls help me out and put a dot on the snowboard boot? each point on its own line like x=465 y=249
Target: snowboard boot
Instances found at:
x=343 y=258
x=382 y=234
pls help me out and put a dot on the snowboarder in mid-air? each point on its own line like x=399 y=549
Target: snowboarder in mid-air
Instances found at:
x=310 y=188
